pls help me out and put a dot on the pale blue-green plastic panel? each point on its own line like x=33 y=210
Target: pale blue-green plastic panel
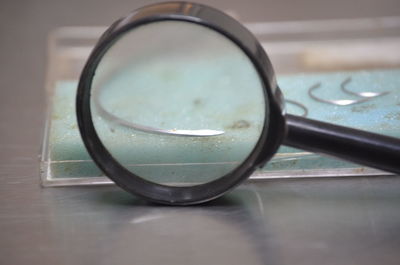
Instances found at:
x=69 y=159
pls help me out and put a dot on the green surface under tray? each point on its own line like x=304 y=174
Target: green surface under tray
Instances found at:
x=66 y=157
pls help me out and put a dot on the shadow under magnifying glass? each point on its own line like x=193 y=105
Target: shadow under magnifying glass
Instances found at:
x=232 y=229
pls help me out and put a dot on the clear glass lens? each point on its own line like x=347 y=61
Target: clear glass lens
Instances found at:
x=177 y=103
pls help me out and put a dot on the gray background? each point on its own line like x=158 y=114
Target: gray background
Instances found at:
x=336 y=221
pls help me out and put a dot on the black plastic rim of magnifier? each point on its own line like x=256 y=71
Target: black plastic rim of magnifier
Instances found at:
x=274 y=125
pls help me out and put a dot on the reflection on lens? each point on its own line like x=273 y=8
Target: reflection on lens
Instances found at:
x=177 y=103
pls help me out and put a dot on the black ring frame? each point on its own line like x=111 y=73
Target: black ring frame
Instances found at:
x=274 y=126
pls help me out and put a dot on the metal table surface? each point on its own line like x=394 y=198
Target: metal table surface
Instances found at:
x=287 y=221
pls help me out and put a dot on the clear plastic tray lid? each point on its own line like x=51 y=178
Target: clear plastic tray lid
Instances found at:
x=341 y=71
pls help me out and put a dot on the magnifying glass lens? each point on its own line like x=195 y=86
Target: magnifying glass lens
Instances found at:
x=177 y=103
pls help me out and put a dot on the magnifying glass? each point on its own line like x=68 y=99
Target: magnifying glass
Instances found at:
x=178 y=103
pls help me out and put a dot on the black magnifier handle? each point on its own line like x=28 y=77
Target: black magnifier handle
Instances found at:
x=369 y=149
